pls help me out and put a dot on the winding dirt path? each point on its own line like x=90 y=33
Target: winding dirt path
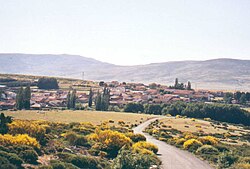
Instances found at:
x=172 y=157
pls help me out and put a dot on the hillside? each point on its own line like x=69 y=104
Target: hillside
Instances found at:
x=228 y=74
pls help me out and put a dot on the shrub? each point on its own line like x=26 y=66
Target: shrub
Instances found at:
x=241 y=166
x=207 y=149
x=226 y=159
x=29 y=156
x=180 y=141
x=136 y=137
x=81 y=141
x=71 y=137
x=9 y=166
x=210 y=140
x=127 y=159
x=3 y=161
x=12 y=158
x=192 y=145
x=31 y=128
x=146 y=145
x=21 y=139
x=109 y=141
x=84 y=162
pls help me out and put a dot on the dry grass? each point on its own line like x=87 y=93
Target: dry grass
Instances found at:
x=208 y=128
x=196 y=125
x=68 y=116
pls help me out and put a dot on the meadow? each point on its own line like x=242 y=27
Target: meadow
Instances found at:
x=68 y=116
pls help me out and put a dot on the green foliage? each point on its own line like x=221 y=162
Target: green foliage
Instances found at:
x=136 y=137
x=219 y=112
x=153 y=109
x=29 y=156
x=47 y=83
x=226 y=159
x=12 y=158
x=71 y=99
x=102 y=100
x=134 y=107
x=90 y=98
x=84 y=162
x=4 y=123
x=23 y=98
x=129 y=159
x=208 y=150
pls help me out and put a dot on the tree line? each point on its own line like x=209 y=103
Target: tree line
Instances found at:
x=218 y=112
x=240 y=97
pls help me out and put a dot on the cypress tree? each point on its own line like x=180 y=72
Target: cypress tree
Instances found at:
x=19 y=99
x=68 y=100
x=90 y=98
x=26 y=98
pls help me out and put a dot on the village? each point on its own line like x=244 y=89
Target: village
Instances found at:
x=120 y=94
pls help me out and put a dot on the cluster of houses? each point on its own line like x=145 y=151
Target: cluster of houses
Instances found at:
x=120 y=95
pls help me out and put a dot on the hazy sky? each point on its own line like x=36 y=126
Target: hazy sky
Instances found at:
x=127 y=32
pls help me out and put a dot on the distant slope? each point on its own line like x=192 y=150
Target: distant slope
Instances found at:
x=229 y=74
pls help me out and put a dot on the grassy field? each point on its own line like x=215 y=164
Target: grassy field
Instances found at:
x=68 y=116
x=206 y=127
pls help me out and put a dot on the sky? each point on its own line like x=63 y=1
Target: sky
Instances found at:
x=127 y=32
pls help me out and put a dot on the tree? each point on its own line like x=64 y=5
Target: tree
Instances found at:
x=102 y=100
x=176 y=83
x=90 y=98
x=243 y=99
x=189 y=86
x=3 y=123
x=68 y=100
x=228 y=97
x=71 y=99
x=19 y=99
x=47 y=83
x=26 y=98
x=134 y=107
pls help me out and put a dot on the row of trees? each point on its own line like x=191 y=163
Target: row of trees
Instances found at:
x=219 y=112
x=240 y=97
x=23 y=98
x=102 y=100
x=181 y=86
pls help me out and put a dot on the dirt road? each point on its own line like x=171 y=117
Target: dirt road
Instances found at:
x=172 y=157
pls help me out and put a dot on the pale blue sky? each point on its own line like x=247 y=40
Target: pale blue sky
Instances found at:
x=127 y=32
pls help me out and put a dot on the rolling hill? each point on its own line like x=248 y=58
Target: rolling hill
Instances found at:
x=231 y=74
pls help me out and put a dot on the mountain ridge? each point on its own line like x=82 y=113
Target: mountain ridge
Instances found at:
x=221 y=73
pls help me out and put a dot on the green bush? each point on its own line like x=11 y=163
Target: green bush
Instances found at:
x=84 y=162
x=127 y=158
x=136 y=137
x=81 y=141
x=29 y=156
x=3 y=161
x=12 y=158
x=207 y=149
x=226 y=159
x=8 y=166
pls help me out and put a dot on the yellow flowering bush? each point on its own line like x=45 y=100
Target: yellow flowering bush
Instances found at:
x=109 y=141
x=180 y=141
x=145 y=145
x=188 y=135
x=210 y=140
x=32 y=128
x=21 y=139
x=192 y=144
